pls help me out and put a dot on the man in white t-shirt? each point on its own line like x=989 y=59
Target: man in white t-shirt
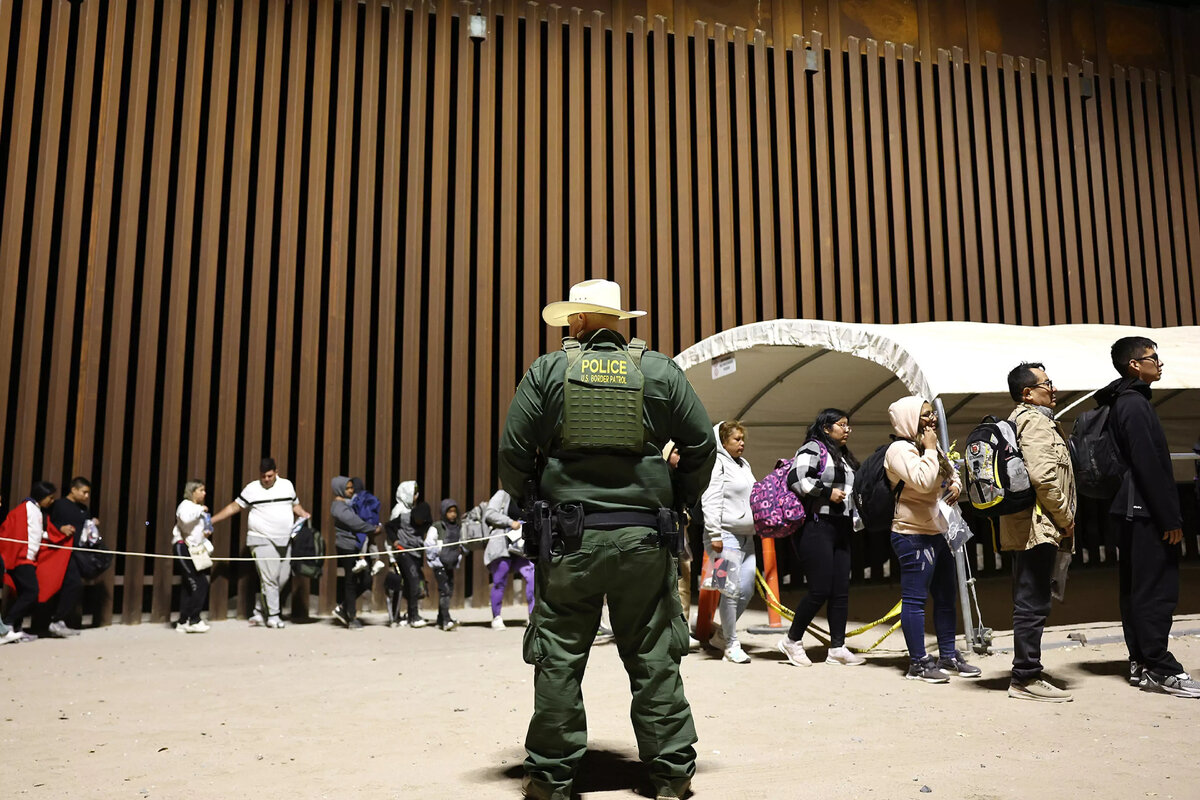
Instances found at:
x=274 y=509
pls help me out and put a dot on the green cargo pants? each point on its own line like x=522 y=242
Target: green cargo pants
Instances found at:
x=639 y=580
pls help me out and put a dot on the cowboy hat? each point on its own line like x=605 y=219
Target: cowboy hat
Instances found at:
x=589 y=297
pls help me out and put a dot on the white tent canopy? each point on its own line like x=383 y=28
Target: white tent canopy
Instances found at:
x=775 y=376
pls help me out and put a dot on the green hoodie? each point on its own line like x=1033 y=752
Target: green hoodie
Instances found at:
x=608 y=481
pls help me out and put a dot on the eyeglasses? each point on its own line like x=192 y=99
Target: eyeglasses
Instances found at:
x=1153 y=357
x=1047 y=384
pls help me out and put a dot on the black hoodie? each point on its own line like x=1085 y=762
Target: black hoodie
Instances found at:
x=1148 y=490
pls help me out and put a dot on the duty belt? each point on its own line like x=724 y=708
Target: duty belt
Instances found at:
x=611 y=520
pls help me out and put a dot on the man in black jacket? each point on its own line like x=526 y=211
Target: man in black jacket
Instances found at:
x=1146 y=510
x=71 y=510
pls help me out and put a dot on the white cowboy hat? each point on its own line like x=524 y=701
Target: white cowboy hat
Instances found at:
x=589 y=297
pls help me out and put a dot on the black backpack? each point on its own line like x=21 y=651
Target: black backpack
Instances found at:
x=997 y=480
x=308 y=552
x=874 y=495
x=1099 y=467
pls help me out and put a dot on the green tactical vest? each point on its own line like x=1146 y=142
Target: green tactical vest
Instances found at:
x=602 y=399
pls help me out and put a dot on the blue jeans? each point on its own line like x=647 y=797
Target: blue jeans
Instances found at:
x=926 y=570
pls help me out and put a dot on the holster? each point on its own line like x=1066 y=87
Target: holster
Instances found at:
x=670 y=537
x=539 y=543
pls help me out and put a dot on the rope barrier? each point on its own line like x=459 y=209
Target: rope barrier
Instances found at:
x=226 y=559
x=819 y=633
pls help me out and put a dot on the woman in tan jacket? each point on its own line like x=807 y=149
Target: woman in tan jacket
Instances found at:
x=924 y=475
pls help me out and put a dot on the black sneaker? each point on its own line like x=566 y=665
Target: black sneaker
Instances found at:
x=926 y=670
x=355 y=624
x=1180 y=685
x=340 y=614
x=1135 y=673
x=958 y=667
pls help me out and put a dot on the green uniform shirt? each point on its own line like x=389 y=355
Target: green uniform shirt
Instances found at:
x=600 y=481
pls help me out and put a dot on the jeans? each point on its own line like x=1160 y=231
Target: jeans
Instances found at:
x=824 y=549
x=445 y=584
x=1149 y=580
x=1032 y=570
x=926 y=570
x=406 y=582
x=353 y=583
x=739 y=551
x=501 y=568
x=194 y=589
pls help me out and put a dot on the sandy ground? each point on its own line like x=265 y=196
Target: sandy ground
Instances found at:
x=315 y=711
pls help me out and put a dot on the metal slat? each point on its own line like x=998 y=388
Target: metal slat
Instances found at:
x=1061 y=303
x=957 y=307
x=578 y=232
x=1165 y=216
x=638 y=289
x=785 y=113
x=727 y=291
x=685 y=221
x=918 y=211
x=1095 y=163
x=804 y=180
x=899 y=205
x=1176 y=173
x=64 y=362
x=531 y=254
x=144 y=503
x=861 y=219
x=666 y=276
x=747 y=266
x=705 y=189
x=12 y=226
x=1027 y=311
x=768 y=262
x=238 y=277
x=976 y=278
x=557 y=255
x=1118 y=146
x=1081 y=192
x=44 y=175
x=1031 y=189
x=205 y=323
x=176 y=375
x=308 y=478
x=880 y=128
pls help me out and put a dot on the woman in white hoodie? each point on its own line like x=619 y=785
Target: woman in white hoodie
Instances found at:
x=729 y=525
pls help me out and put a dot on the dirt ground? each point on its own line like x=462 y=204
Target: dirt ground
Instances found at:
x=315 y=711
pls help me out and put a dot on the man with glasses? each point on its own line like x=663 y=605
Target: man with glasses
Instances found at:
x=1146 y=511
x=1037 y=534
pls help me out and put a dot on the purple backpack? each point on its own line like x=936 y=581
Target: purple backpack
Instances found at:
x=777 y=511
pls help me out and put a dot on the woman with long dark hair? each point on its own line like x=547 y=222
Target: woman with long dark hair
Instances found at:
x=823 y=476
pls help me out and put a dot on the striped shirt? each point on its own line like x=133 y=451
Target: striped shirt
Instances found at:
x=816 y=472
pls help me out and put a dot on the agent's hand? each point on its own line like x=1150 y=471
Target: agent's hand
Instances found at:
x=718 y=546
x=837 y=496
x=1173 y=537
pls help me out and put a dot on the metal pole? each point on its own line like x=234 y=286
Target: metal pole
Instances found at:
x=960 y=564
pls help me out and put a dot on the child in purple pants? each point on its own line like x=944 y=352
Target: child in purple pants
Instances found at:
x=503 y=552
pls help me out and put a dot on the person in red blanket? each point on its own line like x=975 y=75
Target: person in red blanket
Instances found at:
x=34 y=572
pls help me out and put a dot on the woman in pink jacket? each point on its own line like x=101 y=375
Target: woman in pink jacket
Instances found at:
x=924 y=475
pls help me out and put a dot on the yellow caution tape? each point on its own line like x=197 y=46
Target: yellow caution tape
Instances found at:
x=822 y=635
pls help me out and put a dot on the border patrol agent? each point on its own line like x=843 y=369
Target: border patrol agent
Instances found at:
x=581 y=450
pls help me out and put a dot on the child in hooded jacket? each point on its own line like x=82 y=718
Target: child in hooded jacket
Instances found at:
x=443 y=554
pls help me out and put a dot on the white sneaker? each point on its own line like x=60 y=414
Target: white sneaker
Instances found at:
x=794 y=653
x=201 y=627
x=736 y=654
x=359 y=565
x=717 y=639
x=272 y=622
x=257 y=620
x=377 y=567
x=693 y=642
x=498 y=624
x=10 y=637
x=183 y=627
x=419 y=622
x=844 y=656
